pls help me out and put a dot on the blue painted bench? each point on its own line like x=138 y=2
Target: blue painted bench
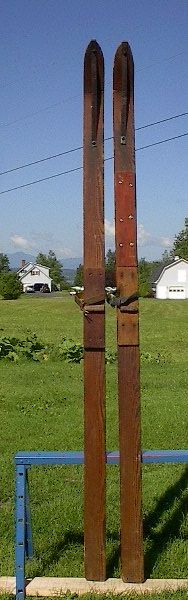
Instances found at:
x=25 y=460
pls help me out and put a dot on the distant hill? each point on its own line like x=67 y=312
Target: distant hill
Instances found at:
x=16 y=258
x=71 y=263
x=69 y=275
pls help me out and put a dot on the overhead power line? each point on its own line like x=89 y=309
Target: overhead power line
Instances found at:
x=162 y=121
x=24 y=185
x=71 y=150
x=46 y=108
x=176 y=137
x=41 y=160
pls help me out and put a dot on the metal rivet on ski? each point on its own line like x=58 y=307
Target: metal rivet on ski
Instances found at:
x=131 y=244
x=123 y=139
x=121 y=245
x=130 y=184
x=130 y=217
x=121 y=220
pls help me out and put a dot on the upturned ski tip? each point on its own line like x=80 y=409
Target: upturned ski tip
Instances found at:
x=93 y=46
x=93 y=67
x=124 y=49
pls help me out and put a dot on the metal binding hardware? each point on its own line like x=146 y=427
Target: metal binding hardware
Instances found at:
x=124 y=301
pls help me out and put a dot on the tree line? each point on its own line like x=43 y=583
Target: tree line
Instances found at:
x=11 y=288
x=145 y=267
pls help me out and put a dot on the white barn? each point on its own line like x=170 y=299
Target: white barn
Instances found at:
x=171 y=282
x=32 y=274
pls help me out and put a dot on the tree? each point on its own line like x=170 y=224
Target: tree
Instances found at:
x=79 y=275
x=55 y=267
x=4 y=263
x=110 y=269
x=180 y=245
x=166 y=257
x=144 y=272
x=10 y=286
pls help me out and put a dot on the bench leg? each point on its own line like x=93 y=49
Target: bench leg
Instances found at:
x=20 y=531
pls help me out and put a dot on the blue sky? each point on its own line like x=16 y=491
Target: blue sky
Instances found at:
x=42 y=50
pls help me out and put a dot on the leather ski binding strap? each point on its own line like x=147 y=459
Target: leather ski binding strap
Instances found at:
x=89 y=305
x=123 y=302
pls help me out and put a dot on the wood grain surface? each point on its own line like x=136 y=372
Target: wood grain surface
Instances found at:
x=127 y=317
x=94 y=320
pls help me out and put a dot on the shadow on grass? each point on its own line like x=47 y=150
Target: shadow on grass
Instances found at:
x=157 y=540
x=54 y=552
x=170 y=529
x=113 y=560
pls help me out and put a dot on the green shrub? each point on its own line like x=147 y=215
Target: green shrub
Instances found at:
x=10 y=286
x=144 y=290
x=70 y=351
x=31 y=348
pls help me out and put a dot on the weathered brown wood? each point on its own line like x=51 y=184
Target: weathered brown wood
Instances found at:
x=127 y=317
x=94 y=513
x=94 y=331
x=130 y=464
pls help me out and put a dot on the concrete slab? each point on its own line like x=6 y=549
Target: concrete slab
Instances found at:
x=7 y=585
x=50 y=586
x=55 y=586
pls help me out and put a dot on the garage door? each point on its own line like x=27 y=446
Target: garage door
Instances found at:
x=176 y=293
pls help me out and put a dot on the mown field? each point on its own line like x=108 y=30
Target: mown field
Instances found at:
x=41 y=408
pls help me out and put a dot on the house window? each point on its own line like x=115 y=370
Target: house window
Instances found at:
x=35 y=272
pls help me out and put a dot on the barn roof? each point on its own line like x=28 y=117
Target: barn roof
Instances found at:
x=155 y=276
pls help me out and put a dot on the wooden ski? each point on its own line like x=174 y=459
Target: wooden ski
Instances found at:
x=94 y=315
x=127 y=316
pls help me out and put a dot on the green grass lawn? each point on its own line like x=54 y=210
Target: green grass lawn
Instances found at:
x=41 y=408
x=179 y=595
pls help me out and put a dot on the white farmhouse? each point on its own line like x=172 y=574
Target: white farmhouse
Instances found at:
x=32 y=274
x=171 y=282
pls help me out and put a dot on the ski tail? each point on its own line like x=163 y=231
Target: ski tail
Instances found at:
x=94 y=316
x=127 y=316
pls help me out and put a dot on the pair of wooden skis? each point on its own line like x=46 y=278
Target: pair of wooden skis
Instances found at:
x=93 y=306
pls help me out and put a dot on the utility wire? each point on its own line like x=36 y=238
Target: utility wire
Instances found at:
x=162 y=121
x=176 y=137
x=156 y=61
x=44 y=179
x=33 y=114
x=36 y=162
x=19 y=187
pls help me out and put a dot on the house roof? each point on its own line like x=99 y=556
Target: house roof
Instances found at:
x=156 y=275
x=23 y=267
x=33 y=265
